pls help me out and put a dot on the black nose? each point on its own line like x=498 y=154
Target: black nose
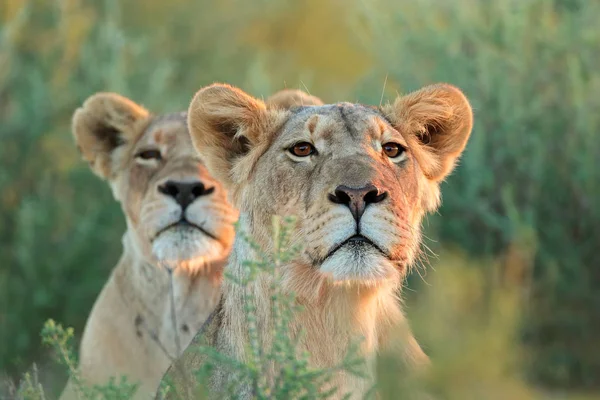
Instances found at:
x=358 y=199
x=185 y=193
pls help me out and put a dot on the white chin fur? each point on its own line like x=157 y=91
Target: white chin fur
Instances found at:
x=358 y=264
x=186 y=248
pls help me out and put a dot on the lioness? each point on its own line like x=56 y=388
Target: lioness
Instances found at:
x=359 y=179
x=179 y=232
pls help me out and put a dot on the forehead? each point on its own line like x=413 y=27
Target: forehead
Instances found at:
x=168 y=131
x=334 y=122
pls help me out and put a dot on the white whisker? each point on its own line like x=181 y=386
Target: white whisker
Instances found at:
x=307 y=91
x=383 y=90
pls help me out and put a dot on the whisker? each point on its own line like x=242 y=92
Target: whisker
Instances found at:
x=383 y=90
x=307 y=91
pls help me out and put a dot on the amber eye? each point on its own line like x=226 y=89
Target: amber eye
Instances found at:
x=149 y=155
x=393 y=150
x=302 y=149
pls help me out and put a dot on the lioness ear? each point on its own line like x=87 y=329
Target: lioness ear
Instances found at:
x=441 y=118
x=289 y=98
x=104 y=123
x=225 y=123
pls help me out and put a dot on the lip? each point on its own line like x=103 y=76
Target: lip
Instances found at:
x=357 y=238
x=185 y=222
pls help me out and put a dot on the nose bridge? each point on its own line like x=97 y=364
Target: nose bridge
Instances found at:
x=184 y=170
x=357 y=195
x=352 y=172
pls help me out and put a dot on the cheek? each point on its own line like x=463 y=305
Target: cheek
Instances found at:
x=426 y=194
x=137 y=186
x=314 y=197
x=406 y=196
x=284 y=188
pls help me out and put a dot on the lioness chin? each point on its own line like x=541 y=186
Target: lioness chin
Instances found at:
x=359 y=179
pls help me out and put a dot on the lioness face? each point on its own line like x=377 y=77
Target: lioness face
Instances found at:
x=176 y=211
x=359 y=179
x=351 y=180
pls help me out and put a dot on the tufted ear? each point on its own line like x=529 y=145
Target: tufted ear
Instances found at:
x=226 y=124
x=289 y=98
x=105 y=122
x=440 y=116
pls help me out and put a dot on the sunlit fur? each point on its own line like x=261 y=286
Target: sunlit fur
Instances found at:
x=130 y=330
x=352 y=292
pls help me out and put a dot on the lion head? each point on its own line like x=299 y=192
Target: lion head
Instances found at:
x=359 y=179
x=177 y=213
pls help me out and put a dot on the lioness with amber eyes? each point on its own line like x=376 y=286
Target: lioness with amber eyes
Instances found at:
x=179 y=233
x=359 y=179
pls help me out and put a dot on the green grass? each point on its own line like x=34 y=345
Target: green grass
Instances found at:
x=526 y=194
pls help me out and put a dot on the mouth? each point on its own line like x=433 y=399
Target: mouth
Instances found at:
x=183 y=222
x=357 y=241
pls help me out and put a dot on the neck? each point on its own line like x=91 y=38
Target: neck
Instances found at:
x=333 y=315
x=160 y=298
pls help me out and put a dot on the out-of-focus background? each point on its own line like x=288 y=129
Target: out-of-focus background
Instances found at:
x=511 y=304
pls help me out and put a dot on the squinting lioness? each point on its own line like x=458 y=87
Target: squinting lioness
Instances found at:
x=179 y=226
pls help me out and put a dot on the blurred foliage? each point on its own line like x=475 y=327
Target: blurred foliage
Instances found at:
x=469 y=318
x=471 y=328
x=526 y=192
x=59 y=339
x=279 y=357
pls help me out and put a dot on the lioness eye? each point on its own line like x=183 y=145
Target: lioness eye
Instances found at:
x=149 y=154
x=302 y=149
x=393 y=150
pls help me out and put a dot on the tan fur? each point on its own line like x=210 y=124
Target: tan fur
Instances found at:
x=351 y=292
x=130 y=330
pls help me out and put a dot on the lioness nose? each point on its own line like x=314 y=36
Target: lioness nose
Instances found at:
x=185 y=193
x=357 y=199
